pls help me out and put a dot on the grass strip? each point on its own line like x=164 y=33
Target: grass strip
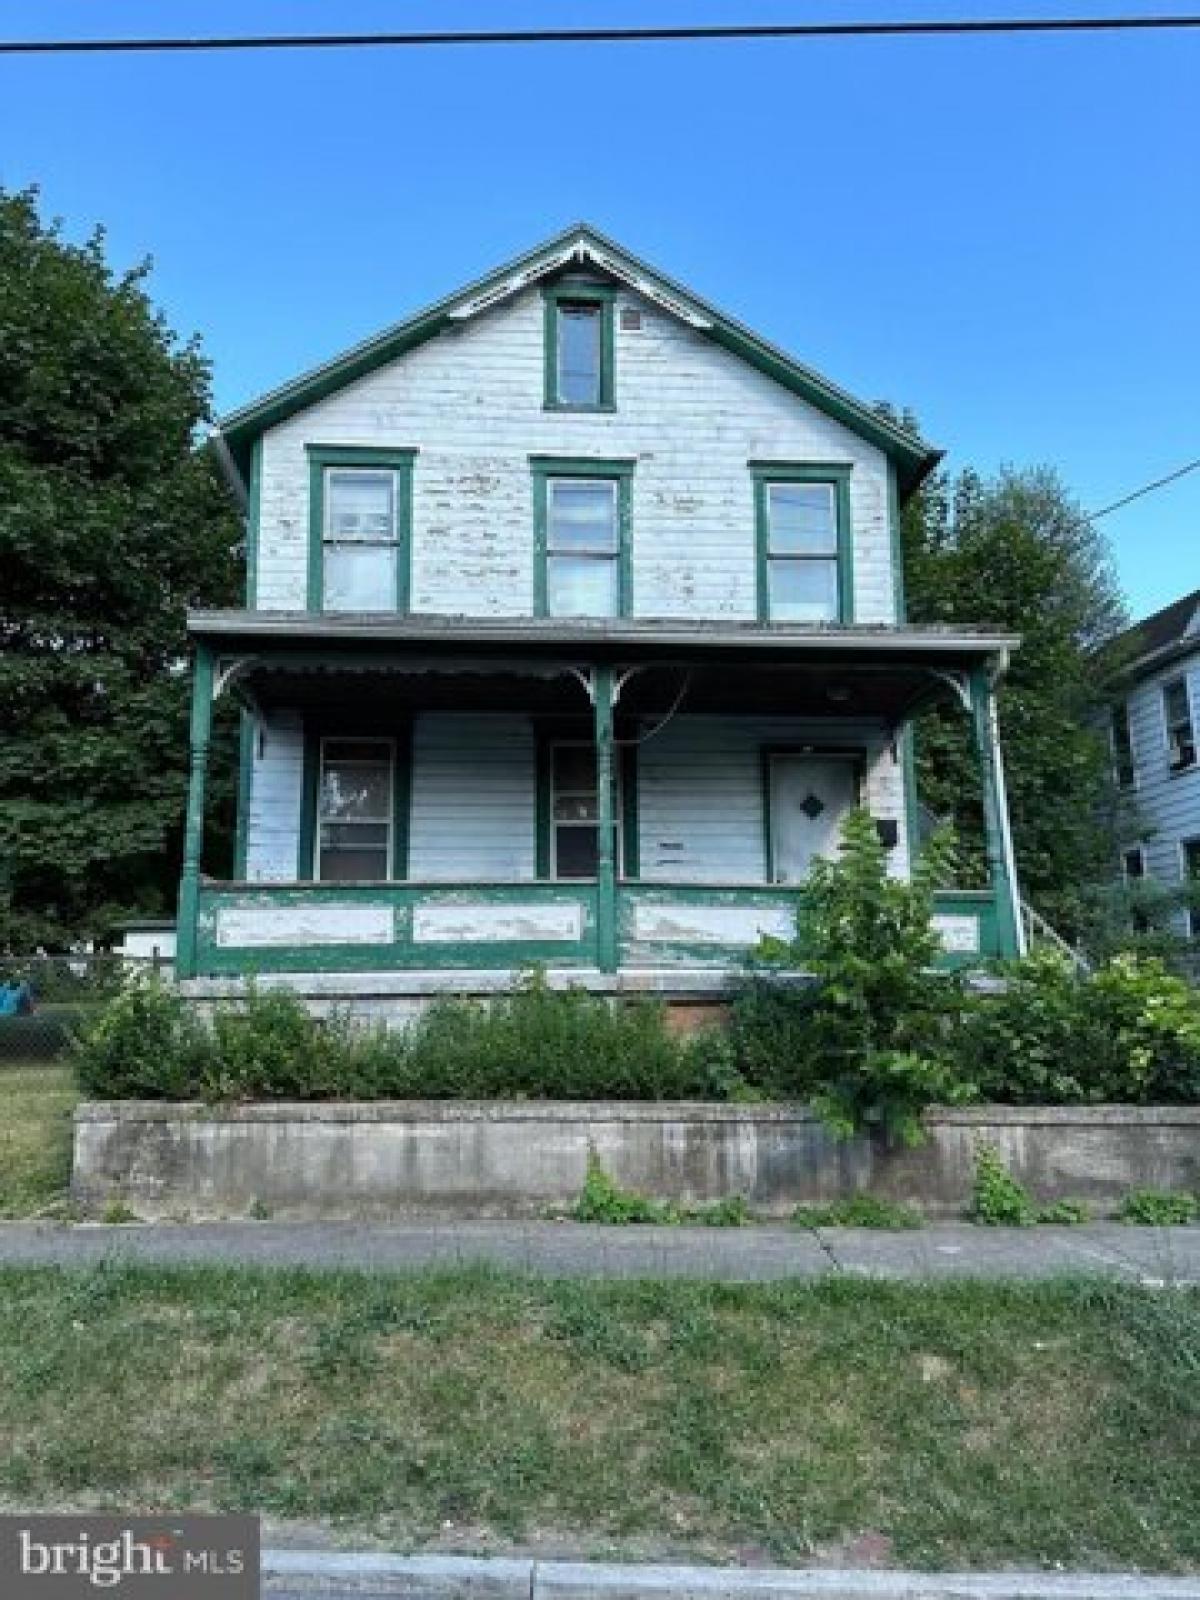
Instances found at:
x=964 y=1424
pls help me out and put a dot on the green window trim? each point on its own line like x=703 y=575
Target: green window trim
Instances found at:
x=619 y=471
x=603 y=296
x=552 y=731
x=396 y=459
x=246 y=740
x=399 y=736
x=836 y=473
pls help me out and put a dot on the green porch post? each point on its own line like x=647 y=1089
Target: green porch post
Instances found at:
x=606 y=822
x=193 y=838
x=1002 y=869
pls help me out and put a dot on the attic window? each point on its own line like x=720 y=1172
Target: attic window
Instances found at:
x=579 y=348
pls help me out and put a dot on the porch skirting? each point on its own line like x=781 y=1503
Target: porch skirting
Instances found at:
x=521 y=1159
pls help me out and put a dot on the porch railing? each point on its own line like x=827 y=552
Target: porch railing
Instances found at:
x=329 y=927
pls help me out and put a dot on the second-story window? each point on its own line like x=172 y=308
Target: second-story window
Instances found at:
x=359 y=523
x=1181 y=733
x=803 y=541
x=360 y=539
x=581 y=514
x=1124 y=770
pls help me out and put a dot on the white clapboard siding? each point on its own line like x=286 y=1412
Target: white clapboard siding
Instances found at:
x=276 y=783
x=1168 y=804
x=473 y=807
x=700 y=793
x=471 y=403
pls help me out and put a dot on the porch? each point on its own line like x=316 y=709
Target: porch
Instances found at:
x=624 y=803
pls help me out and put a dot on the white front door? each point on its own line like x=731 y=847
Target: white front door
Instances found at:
x=810 y=796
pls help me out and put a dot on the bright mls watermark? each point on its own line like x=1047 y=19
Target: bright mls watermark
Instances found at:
x=136 y=1558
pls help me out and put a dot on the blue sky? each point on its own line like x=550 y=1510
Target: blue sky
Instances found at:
x=1002 y=233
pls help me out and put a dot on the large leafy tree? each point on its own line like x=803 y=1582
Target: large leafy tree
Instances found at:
x=1017 y=551
x=111 y=524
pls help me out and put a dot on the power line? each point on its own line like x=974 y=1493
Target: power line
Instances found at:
x=662 y=35
x=1147 y=488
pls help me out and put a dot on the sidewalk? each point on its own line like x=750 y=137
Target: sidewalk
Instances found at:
x=1150 y=1256
x=289 y=1575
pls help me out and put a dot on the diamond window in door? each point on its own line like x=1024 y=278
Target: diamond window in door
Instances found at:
x=812 y=807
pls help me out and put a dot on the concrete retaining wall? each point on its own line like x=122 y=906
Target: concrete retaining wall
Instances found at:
x=412 y=1158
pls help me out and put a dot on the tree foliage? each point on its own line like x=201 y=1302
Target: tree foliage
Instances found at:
x=1016 y=551
x=111 y=525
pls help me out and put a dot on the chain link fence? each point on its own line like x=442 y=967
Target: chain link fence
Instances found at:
x=45 y=1000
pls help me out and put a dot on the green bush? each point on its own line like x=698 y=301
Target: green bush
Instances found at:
x=1065 y=1213
x=998 y=1200
x=867 y=1042
x=1129 y=1032
x=532 y=1042
x=603 y=1200
x=146 y=1044
x=1159 y=1208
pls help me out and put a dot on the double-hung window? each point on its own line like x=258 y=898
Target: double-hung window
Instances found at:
x=1180 y=730
x=355 y=810
x=358 y=558
x=1121 y=738
x=574 y=810
x=581 y=527
x=803 y=534
x=580 y=345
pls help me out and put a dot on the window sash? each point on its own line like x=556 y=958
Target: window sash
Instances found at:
x=594 y=557
x=579 y=353
x=802 y=533
x=588 y=797
x=1190 y=850
x=387 y=475
x=1133 y=864
x=1180 y=730
x=340 y=836
x=1121 y=743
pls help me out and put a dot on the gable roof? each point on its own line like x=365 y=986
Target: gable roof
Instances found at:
x=1161 y=634
x=581 y=244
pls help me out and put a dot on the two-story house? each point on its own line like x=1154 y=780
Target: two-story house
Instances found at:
x=1153 y=737
x=574 y=626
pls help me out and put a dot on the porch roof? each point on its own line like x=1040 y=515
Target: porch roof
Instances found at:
x=298 y=660
x=625 y=639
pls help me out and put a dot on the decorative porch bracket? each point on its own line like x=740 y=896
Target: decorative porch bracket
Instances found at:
x=193 y=838
x=1002 y=868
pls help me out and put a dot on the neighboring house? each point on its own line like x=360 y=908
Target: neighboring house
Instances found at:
x=1153 y=734
x=574 y=626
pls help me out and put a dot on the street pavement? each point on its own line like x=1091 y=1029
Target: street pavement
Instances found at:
x=1150 y=1256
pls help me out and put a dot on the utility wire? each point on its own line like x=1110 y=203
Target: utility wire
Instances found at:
x=662 y=35
x=1147 y=488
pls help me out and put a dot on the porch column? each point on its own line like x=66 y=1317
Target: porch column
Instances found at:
x=1002 y=868
x=606 y=822
x=193 y=837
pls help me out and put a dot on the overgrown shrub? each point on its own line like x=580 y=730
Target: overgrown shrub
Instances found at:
x=867 y=1042
x=532 y=1042
x=1129 y=1032
x=146 y=1044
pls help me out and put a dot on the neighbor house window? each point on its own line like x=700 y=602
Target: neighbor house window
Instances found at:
x=1133 y=864
x=1191 y=878
x=358 y=559
x=1124 y=769
x=354 y=810
x=579 y=348
x=1177 y=715
x=802 y=518
x=581 y=516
